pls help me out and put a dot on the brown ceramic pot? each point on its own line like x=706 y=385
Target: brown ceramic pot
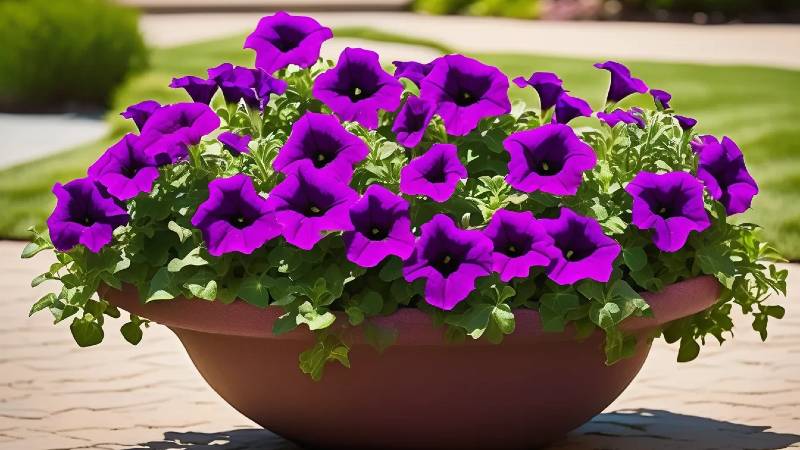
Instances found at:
x=420 y=393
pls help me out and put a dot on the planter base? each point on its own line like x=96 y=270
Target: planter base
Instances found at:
x=421 y=393
x=511 y=396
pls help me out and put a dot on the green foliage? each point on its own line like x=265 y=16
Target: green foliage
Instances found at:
x=521 y=9
x=320 y=291
x=66 y=52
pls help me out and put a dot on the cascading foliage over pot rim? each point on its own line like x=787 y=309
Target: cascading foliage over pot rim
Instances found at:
x=316 y=186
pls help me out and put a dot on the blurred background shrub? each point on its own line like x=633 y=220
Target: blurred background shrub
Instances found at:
x=65 y=54
x=521 y=9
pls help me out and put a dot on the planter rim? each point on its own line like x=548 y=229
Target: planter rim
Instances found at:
x=415 y=327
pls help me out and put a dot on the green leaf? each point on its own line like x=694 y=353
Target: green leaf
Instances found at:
x=42 y=303
x=689 y=349
x=354 y=315
x=504 y=318
x=618 y=346
x=255 y=290
x=715 y=260
x=630 y=301
x=371 y=303
x=282 y=291
x=504 y=293
x=86 y=331
x=606 y=316
x=206 y=290
x=635 y=258
x=316 y=320
x=112 y=311
x=614 y=225
x=183 y=233
x=600 y=212
x=131 y=332
x=327 y=348
x=334 y=283
x=554 y=307
x=592 y=290
x=775 y=311
x=193 y=258
x=160 y=287
x=387 y=149
x=41 y=278
x=285 y=323
x=391 y=270
x=33 y=248
x=584 y=328
x=474 y=320
x=61 y=310
x=111 y=280
x=379 y=338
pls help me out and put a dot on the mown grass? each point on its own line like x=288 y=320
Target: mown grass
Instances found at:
x=757 y=107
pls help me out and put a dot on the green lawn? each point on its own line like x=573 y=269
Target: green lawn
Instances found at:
x=757 y=107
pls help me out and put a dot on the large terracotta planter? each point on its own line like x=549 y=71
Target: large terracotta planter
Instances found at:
x=422 y=392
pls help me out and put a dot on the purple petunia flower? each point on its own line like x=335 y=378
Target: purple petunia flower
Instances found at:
x=322 y=141
x=307 y=204
x=282 y=39
x=520 y=243
x=465 y=91
x=550 y=159
x=164 y=149
x=622 y=83
x=450 y=259
x=237 y=83
x=721 y=168
x=124 y=170
x=267 y=85
x=661 y=98
x=84 y=214
x=569 y=107
x=357 y=87
x=620 y=116
x=670 y=204
x=235 y=218
x=141 y=112
x=172 y=128
x=585 y=251
x=382 y=227
x=235 y=143
x=412 y=121
x=547 y=85
x=413 y=70
x=189 y=121
x=199 y=89
x=686 y=123
x=434 y=174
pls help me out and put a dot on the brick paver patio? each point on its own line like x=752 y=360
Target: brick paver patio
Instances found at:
x=115 y=396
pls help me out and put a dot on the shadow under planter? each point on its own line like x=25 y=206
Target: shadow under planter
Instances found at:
x=620 y=430
x=657 y=429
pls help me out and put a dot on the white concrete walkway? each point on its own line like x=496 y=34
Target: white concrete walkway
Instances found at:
x=26 y=137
